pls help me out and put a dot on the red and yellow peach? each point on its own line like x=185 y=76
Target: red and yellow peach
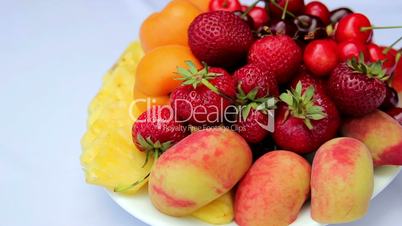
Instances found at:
x=273 y=190
x=341 y=182
x=380 y=133
x=197 y=170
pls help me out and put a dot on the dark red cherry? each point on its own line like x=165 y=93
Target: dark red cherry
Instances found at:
x=246 y=18
x=391 y=99
x=396 y=113
x=279 y=26
x=338 y=14
x=309 y=28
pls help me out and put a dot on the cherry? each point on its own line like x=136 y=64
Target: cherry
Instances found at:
x=319 y=10
x=376 y=53
x=284 y=27
x=320 y=57
x=295 y=7
x=397 y=77
x=349 y=49
x=246 y=18
x=225 y=5
x=350 y=28
x=309 y=28
x=391 y=99
x=259 y=15
x=338 y=14
x=396 y=113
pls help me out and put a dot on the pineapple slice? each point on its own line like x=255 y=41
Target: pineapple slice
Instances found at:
x=219 y=211
x=114 y=161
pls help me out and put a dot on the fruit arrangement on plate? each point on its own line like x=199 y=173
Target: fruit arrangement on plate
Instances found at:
x=229 y=112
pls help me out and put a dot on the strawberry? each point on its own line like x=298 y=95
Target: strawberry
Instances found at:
x=277 y=53
x=256 y=94
x=307 y=117
x=251 y=76
x=358 y=88
x=156 y=130
x=253 y=122
x=205 y=95
x=219 y=38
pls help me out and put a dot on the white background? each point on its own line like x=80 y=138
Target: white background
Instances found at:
x=52 y=57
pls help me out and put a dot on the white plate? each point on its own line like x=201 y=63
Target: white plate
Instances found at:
x=141 y=207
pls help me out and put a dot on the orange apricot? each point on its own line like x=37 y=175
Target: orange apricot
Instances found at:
x=143 y=101
x=203 y=5
x=168 y=26
x=156 y=72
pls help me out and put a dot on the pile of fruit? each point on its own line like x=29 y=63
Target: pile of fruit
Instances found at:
x=230 y=111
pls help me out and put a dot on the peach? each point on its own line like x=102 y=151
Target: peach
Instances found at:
x=341 y=181
x=382 y=135
x=197 y=170
x=273 y=190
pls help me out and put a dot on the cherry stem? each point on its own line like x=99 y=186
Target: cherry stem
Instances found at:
x=285 y=9
x=250 y=8
x=386 y=50
x=377 y=28
x=273 y=2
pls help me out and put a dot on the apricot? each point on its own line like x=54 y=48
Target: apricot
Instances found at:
x=168 y=26
x=273 y=190
x=197 y=170
x=202 y=5
x=342 y=181
x=156 y=73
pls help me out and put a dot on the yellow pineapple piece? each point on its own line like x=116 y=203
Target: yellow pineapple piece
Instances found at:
x=219 y=211
x=115 y=161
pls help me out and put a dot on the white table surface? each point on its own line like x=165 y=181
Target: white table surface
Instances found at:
x=52 y=57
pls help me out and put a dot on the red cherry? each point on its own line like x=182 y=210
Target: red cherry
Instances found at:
x=397 y=77
x=319 y=10
x=260 y=16
x=349 y=49
x=225 y=5
x=391 y=99
x=320 y=56
x=349 y=28
x=396 y=113
x=376 y=53
x=294 y=6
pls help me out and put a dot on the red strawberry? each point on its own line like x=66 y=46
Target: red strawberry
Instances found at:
x=219 y=38
x=204 y=96
x=357 y=88
x=254 y=128
x=250 y=77
x=277 y=53
x=156 y=130
x=307 y=117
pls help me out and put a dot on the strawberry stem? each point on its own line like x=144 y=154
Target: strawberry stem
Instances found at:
x=377 y=28
x=386 y=50
x=301 y=105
